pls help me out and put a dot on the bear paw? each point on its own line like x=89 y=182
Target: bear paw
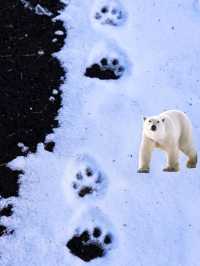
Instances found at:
x=191 y=164
x=142 y=170
x=171 y=169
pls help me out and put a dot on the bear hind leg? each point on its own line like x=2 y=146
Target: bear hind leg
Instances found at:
x=192 y=162
x=191 y=153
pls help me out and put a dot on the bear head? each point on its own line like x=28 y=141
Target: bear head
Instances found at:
x=154 y=127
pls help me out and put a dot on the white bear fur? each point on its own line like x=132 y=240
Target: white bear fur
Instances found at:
x=173 y=134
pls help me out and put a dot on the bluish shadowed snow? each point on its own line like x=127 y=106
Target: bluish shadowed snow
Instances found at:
x=154 y=218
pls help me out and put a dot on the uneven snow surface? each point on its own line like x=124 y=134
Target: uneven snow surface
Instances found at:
x=144 y=219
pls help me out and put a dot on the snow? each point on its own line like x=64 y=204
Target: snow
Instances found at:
x=18 y=163
x=49 y=137
x=59 y=32
x=51 y=98
x=55 y=92
x=38 y=9
x=154 y=218
x=41 y=52
x=22 y=146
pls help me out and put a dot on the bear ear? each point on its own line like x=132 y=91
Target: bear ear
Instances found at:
x=163 y=119
x=144 y=118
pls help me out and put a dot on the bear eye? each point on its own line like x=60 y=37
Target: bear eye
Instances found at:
x=150 y=121
x=158 y=122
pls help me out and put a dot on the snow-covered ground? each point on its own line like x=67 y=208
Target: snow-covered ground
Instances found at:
x=90 y=183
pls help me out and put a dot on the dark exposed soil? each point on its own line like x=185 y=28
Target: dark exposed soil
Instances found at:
x=29 y=73
x=7 y=211
x=27 y=79
x=3 y=230
x=9 y=182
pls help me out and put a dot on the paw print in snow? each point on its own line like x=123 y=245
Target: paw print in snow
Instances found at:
x=84 y=178
x=109 y=13
x=87 y=182
x=92 y=237
x=107 y=68
x=89 y=245
x=107 y=62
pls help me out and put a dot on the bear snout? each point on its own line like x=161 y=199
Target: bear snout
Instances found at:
x=153 y=128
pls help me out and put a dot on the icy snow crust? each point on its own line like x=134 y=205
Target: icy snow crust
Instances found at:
x=154 y=218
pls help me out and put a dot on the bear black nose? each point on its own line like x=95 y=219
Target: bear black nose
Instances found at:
x=153 y=128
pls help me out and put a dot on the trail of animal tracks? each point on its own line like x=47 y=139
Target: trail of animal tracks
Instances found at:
x=85 y=202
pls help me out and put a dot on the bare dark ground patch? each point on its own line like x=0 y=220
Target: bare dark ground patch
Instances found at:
x=29 y=74
x=7 y=211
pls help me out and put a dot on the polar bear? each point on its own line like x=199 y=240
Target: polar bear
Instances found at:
x=170 y=131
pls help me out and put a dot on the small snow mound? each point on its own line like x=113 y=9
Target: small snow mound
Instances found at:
x=23 y=147
x=110 y=13
x=38 y=9
x=18 y=164
x=59 y=32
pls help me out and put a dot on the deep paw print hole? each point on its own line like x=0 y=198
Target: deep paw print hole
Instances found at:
x=104 y=62
x=89 y=246
x=49 y=146
x=97 y=232
x=115 y=62
x=85 y=191
x=79 y=176
x=89 y=172
x=108 y=239
x=104 y=10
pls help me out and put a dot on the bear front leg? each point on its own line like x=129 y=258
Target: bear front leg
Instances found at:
x=172 y=160
x=145 y=152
